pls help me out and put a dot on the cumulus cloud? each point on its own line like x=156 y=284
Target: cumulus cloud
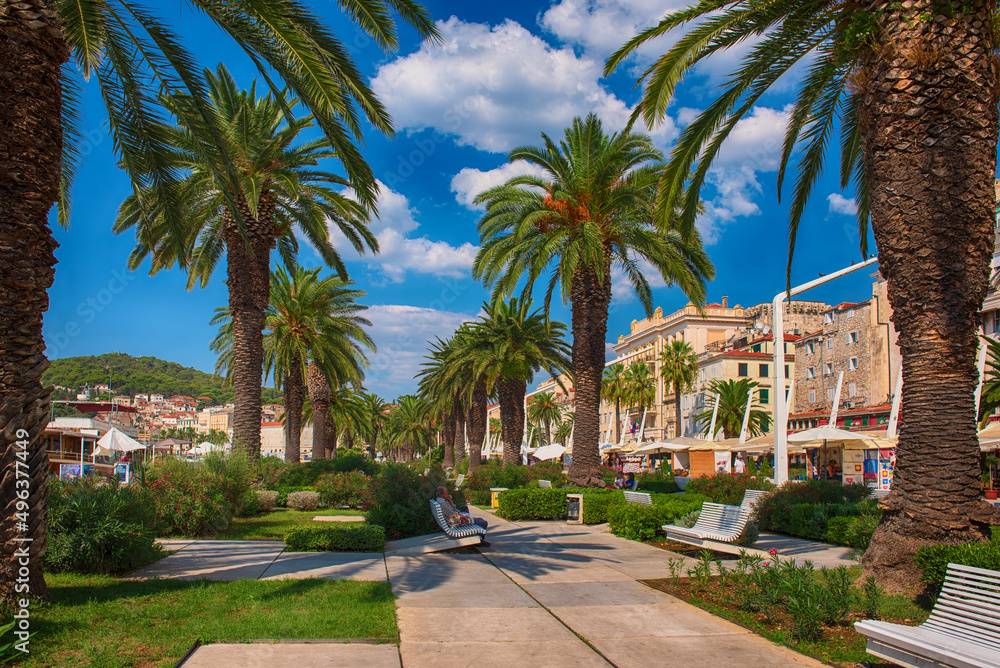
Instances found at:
x=403 y=334
x=497 y=87
x=842 y=205
x=621 y=289
x=602 y=26
x=399 y=252
x=470 y=182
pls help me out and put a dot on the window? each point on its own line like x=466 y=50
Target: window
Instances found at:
x=756 y=348
x=852 y=364
x=829 y=394
x=810 y=373
x=812 y=396
x=996 y=322
x=852 y=390
x=811 y=348
x=852 y=337
x=786 y=371
x=850 y=313
x=743 y=370
x=828 y=369
x=765 y=396
x=763 y=371
x=828 y=318
x=829 y=343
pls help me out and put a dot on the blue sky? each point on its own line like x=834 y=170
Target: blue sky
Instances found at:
x=505 y=72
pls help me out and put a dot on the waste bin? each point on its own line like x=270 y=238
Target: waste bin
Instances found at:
x=495 y=496
x=574 y=508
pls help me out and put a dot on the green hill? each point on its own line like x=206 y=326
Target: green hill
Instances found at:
x=143 y=375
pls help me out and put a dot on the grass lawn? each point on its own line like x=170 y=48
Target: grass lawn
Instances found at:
x=841 y=645
x=101 y=621
x=274 y=525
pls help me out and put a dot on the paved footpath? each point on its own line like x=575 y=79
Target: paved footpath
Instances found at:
x=546 y=594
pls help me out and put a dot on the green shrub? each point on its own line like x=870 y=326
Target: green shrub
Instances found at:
x=728 y=488
x=532 y=504
x=637 y=522
x=400 y=501
x=233 y=474
x=266 y=499
x=597 y=505
x=934 y=560
x=99 y=527
x=478 y=498
x=853 y=531
x=689 y=520
x=188 y=499
x=343 y=489
x=749 y=536
x=494 y=474
x=774 y=511
x=284 y=490
x=303 y=500
x=249 y=505
x=659 y=481
x=348 y=538
x=677 y=505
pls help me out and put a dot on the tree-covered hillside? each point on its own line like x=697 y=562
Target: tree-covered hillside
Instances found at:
x=145 y=375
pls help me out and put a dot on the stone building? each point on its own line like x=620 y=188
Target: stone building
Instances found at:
x=857 y=339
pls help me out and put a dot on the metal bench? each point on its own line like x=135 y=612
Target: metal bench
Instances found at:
x=717 y=522
x=963 y=630
x=459 y=480
x=750 y=499
x=463 y=531
x=545 y=484
x=639 y=497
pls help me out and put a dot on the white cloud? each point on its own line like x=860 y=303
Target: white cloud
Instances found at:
x=686 y=115
x=470 y=182
x=621 y=289
x=399 y=253
x=842 y=205
x=497 y=87
x=402 y=334
x=601 y=27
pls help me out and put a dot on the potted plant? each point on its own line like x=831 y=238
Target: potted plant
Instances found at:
x=989 y=462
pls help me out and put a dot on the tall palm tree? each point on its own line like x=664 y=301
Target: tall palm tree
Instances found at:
x=443 y=380
x=543 y=409
x=590 y=213
x=345 y=412
x=640 y=387
x=277 y=190
x=311 y=321
x=732 y=407
x=891 y=76
x=133 y=55
x=613 y=386
x=504 y=349
x=375 y=409
x=678 y=369
x=409 y=429
x=565 y=429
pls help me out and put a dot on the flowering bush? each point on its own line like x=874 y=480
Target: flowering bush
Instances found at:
x=266 y=499
x=494 y=474
x=200 y=499
x=400 y=501
x=728 y=488
x=303 y=500
x=344 y=489
x=804 y=509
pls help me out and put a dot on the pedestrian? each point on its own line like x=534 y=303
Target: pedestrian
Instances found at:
x=459 y=515
x=740 y=466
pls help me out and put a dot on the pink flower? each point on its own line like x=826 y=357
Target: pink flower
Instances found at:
x=773 y=552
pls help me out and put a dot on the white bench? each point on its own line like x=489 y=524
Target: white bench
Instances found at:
x=427 y=472
x=639 y=497
x=717 y=522
x=459 y=480
x=750 y=499
x=963 y=630
x=463 y=531
x=545 y=484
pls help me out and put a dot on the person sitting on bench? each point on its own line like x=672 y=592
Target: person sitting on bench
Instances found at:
x=448 y=508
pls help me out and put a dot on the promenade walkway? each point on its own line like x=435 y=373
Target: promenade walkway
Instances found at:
x=546 y=594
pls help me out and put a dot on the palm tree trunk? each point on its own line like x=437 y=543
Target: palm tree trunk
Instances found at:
x=330 y=448
x=511 y=393
x=249 y=270
x=677 y=410
x=450 y=427
x=929 y=125
x=590 y=297
x=319 y=396
x=294 y=390
x=477 y=424
x=618 y=422
x=32 y=49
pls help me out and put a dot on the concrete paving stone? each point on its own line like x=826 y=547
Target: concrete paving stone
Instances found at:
x=745 y=651
x=339 y=518
x=328 y=565
x=645 y=570
x=430 y=543
x=300 y=655
x=659 y=620
x=588 y=593
x=525 y=571
x=216 y=560
x=507 y=654
x=172 y=544
x=465 y=595
x=480 y=624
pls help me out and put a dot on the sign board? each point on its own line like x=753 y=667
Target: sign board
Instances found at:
x=72 y=471
x=124 y=472
x=722 y=461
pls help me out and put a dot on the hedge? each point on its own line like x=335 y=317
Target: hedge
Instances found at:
x=728 y=488
x=638 y=522
x=812 y=520
x=934 y=560
x=354 y=538
x=532 y=504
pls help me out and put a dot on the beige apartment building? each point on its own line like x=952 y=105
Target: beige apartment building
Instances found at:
x=220 y=419
x=711 y=332
x=272 y=441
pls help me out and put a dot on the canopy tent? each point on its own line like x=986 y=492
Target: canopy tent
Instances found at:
x=551 y=451
x=205 y=447
x=989 y=438
x=116 y=441
x=834 y=436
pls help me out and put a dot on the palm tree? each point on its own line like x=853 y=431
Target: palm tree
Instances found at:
x=409 y=427
x=591 y=212
x=543 y=409
x=346 y=411
x=613 y=386
x=133 y=55
x=442 y=384
x=375 y=409
x=504 y=349
x=678 y=368
x=278 y=190
x=311 y=321
x=640 y=388
x=882 y=72
x=732 y=407
x=564 y=430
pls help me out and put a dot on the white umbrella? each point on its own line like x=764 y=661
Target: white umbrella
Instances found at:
x=828 y=433
x=551 y=451
x=205 y=447
x=990 y=435
x=116 y=441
